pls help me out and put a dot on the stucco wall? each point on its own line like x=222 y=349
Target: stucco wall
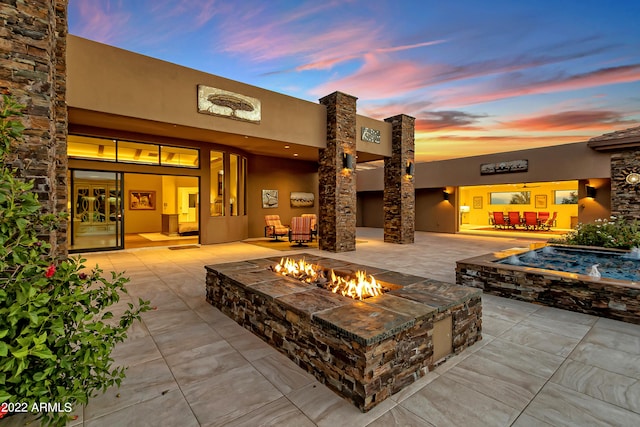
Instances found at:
x=270 y=173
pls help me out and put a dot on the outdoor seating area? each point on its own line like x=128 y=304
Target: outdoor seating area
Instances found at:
x=303 y=228
x=528 y=220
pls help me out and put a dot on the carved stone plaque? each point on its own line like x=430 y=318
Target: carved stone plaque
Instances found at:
x=218 y=102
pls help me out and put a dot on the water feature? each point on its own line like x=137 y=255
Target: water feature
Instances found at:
x=606 y=264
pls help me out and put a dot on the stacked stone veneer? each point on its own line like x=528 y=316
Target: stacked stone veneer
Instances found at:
x=614 y=299
x=364 y=351
x=399 y=192
x=624 y=146
x=337 y=186
x=33 y=71
x=625 y=197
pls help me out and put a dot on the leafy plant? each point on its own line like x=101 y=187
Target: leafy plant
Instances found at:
x=608 y=233
x=56 y=329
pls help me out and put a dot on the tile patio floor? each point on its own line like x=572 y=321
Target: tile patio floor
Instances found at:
x=190 y=365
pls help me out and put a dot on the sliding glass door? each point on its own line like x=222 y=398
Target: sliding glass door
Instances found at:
x=95 y=211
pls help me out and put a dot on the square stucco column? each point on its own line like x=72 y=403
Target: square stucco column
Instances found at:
x=399 y=188
x=33 y=39
x=337 y=192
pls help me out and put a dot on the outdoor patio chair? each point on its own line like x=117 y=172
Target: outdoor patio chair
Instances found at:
x=514 y=219
x=549 y=222
x=274 y=227
x=499 y=220
x=531 y=220
x=300 y=231
x=314 y=224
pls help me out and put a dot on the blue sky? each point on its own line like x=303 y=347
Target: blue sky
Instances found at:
x=478 y=76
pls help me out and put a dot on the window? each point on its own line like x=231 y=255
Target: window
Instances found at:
x=134 y=152
x=234 y=178
x=217 y=183
x=177 y=156
x=510 y=198
x=565 y=197
x=85 y=147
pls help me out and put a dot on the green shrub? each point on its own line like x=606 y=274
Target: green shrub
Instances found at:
x=56 y=332
x=608 y=233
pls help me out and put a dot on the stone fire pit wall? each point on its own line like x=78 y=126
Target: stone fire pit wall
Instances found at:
x=363 y=350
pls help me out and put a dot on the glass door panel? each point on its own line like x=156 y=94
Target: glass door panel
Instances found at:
x=96 y=211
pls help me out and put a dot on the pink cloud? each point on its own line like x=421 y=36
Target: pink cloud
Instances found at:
x=600 y=120
x=100 y=22
x=514 y=86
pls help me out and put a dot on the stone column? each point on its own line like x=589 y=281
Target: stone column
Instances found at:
x=625 y=196
x=33 y=70
x=399 y=189
x=624 y=146
x=337 y=192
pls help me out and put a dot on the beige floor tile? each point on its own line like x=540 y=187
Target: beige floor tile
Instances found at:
x=283 y=373
x=557 y=405
x=522 y=358
x=191 y=336
x=399 y=417
x=600 y=384
x=506 y=384
x=144 y=381
x=540 y=339
x=608 y=358
x=169 y=409
x=229 y=395
x=279 y=413
x=448 y=403
x=198 y=364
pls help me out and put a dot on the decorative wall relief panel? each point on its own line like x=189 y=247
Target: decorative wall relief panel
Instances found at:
x=218 y=102
x=370 y=135
x=504 y=167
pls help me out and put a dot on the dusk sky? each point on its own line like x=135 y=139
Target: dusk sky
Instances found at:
x=478 y=76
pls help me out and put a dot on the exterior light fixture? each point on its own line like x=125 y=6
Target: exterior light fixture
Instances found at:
x=347 y=161
x=591 y=191
x=410 y=169
x=445 y=195
x=633 y=178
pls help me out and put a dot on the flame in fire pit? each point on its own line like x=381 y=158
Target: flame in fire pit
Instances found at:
x=361 y=287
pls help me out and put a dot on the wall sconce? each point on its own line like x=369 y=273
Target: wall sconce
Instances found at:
x=347 y=161
x=591 y=191
x=445 y=195
x=410 y=169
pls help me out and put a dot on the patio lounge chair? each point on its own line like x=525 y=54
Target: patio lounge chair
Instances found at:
x=300 y=231
x=274 y=227
x=314 y=224
x=499 y=220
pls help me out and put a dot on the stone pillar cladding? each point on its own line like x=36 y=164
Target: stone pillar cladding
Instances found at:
x=624 y=146
x=33 y=36
x=399 y=187
x=625 y=197
x=337 y=192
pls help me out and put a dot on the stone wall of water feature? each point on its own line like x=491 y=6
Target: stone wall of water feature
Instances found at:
x=599 y=296
x=365 y=351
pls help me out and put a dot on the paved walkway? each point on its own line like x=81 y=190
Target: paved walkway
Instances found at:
x=190 y=365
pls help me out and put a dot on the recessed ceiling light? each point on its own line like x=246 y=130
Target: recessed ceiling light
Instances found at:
x=286 y=146
x=295 y=154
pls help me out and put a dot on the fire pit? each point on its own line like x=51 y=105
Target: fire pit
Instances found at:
x=363 y=348
x=361 y=287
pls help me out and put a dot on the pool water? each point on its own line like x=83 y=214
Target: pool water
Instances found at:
x=596 y=264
